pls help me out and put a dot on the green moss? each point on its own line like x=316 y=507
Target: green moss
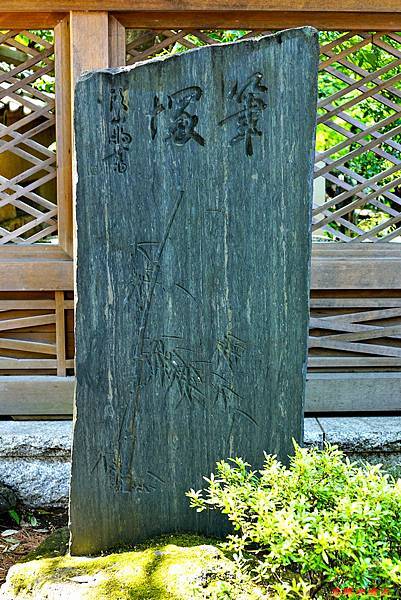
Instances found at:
x=171 y=567
x=56 y=544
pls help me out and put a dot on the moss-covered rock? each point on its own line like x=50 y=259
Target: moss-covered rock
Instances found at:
x=172 y=567
x=56 y=544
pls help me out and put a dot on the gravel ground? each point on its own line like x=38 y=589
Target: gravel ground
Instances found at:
x=17 y=540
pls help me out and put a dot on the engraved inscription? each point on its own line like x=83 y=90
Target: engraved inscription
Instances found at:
x=237 y=415
x=110 y=462
x=226 y=356
x=224 y=390
x=150 y=483
x=118 y=104
x=167 y=360
x=230 y=348
x=170 y=363
x=145 y=282
x=144 y=271
x=119 y=138
x=251 y=98
x=173 y=370
x=181 y=122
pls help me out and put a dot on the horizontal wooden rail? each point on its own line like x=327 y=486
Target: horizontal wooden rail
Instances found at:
x=31 y=20
x=362 y=392
x=340 y=19
x=353 y=6
x=36 y=395
x=36 y=275
x=241 y=19
x=38 y=364
x=356 y=266
x=334 y=266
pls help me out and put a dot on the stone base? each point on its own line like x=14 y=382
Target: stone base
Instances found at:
x=179 y=567
x=35 y=455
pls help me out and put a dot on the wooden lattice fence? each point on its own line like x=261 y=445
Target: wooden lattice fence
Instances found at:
x=28 y=200
x=36 y=306
x=358 y=333
x=356 y=297
x=363 y=108
x=36 y=333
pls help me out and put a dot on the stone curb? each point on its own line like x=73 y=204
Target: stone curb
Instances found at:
x=359 y=435
x=35 y=455
x=35 y=461
x=36 y=439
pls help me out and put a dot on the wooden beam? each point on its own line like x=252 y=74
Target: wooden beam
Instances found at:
x=89 y=41
x=60 y=334
x=64 y=135
x=36 y=275
x=32 y=252
x=262 y=20
x=117 y=43
x=36 y=395
x=23 y=322
x=89 y=49
x=30 y=364
x=356 y=266
x=360 y=392
x=342 y=267
x=33 y=20
x=27 y=346
x=24 y=305
x=355 y=274
x=350 y=363
x=380 y=6
x=357 y=20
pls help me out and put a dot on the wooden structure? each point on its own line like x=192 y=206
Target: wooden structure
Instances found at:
x=355 y=343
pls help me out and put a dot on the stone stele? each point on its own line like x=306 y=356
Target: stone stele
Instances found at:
x=193 y=211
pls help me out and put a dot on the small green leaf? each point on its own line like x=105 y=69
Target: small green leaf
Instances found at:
x=32 y=520
x=15 y=516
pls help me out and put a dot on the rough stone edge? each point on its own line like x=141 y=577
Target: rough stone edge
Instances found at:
x=358 y=435
x=37 y=483
x=306 y=31
x=36 y=439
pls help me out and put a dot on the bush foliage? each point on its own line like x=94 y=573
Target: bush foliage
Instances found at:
x=323 y=527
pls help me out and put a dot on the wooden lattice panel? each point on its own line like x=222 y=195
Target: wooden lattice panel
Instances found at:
x=28 y=208
x=358 y=133
x=36 y=333
x=359 y=137
x=355 y=332
x=144 y=44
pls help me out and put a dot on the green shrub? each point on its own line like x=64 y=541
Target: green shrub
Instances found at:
x=323 y=527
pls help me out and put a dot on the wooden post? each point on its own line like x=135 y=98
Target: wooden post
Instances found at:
x=117 y=43
x=60 y=334
x=89 y=50
x=64 y=134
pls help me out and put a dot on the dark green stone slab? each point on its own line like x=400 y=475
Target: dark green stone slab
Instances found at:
x=193 y=211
